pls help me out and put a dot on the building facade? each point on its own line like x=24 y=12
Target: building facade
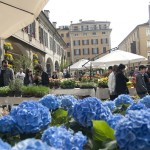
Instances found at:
x=41 y=38
x=138 y=41
x=86 y=39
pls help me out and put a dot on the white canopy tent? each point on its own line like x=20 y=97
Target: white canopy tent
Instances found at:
x=116 y=57
x=17 y=14
x=79 y=65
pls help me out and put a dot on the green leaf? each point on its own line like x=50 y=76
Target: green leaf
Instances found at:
x=111 y=146
x=102 y=131
x=60 y=116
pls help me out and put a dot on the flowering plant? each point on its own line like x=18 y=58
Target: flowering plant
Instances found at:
x=103 y=82
x=136 y=106
x=114 y=120
x=4 y=145
x=67 y=101
x=49 y=101
x=110 y=104
x=89 y=109
x=31 y=144
x=60 y=137
x=54 y=83
x=146 y=100
x=132 y=132
x=31 y=117
x=8 y=46
x=123 y=100
x=8 y=56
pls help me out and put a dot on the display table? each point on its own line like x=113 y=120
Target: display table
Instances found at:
x=14 y=100
x=103 y=93
x=75 y=91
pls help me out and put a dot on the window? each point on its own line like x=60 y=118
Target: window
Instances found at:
x=51 y=43
x=94 y=33
x=68 y=44
x=75 y=28
x=85 y=42
x=77 y=42
x=84 y=34
x=94 y=41
x=104 y=49
x=147 y=31
x=77 y=52
x=94 y=50
x=68 y=54
x=148 y=44
x=85 y=51
x=75 y=34
x=67 y=34
x=103 y=32
x=62 y=35
x=104 y=41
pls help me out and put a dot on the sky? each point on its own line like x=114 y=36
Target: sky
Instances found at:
x=124 y=15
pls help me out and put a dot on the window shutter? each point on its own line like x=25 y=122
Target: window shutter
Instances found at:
x=101 y=41
x=92 y=41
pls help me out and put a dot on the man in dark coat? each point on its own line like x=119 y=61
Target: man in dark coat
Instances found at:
x=121 y=81
x=41 y=77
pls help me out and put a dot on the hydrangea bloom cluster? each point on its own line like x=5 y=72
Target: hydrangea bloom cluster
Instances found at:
x=31 y=116
x=49 y=101
x=136 y=106
x=60 y=137
x=7 y=125
x=114 y=120
x=31 y=144
x=133 y=132
x=110 y=104
x=4 y=145
x=67 y=101
x=123 y=99
x=146 y=100
x=89 y=109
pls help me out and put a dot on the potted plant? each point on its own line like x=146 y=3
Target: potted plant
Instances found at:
x=16 y=87
x=4 y=91
x=88 y=85
x=68 y=84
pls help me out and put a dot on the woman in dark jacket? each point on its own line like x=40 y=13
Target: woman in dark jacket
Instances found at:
x=121 y=81
x=28 y=80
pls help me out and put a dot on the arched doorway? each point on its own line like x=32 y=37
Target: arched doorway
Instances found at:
x=56 y=66
x=49 y=66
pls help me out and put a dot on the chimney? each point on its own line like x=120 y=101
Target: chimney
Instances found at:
x=80 y=20
x=71 y=22
x=46 y=12
x=54 y=24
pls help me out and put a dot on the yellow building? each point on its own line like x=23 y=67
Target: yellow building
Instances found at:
x=138 y=41
x=86 y=39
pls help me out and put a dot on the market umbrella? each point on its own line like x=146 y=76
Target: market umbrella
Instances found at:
x=17 y=14
x=117 y=57
x=79 y=65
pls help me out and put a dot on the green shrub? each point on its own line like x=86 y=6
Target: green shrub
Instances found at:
x=88 y=85
x=35 y=91
x=68 y=84
x=16 y=85
x=4 y=90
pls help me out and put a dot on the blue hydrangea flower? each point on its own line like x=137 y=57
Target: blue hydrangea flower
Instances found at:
x=31 y=144
x=110 y=104
x=4 y=145
x=67 y=101
x=89 y=109
x=123 y=99
x=60 y=137
x=8 y=125
x=49 y=101
x=133 y=132
x=146 y=100
x=31 y=116
x=136 y=106
x=114 y=120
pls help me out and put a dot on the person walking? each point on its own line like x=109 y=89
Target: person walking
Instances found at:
x=6 y=75
x=141 y=87
x=112 y=83
x=121 y=81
